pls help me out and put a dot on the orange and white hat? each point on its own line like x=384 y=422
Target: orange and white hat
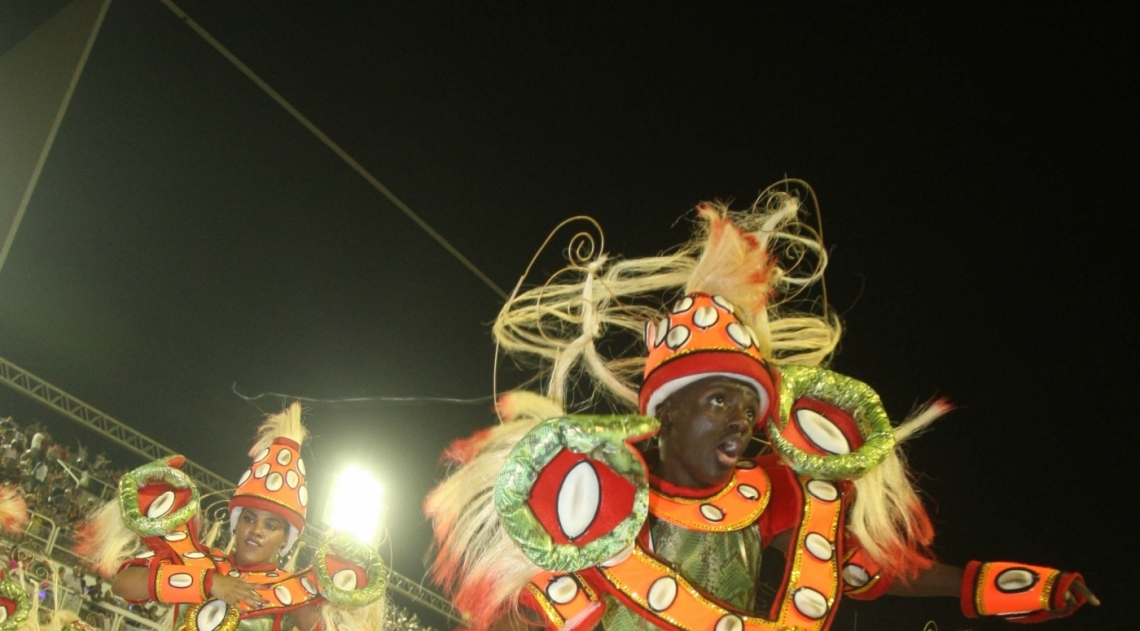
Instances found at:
x=276 y=481
x=701 y=337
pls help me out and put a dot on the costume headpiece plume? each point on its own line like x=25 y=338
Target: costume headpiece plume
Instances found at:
x=275 y=482
x=703 y=335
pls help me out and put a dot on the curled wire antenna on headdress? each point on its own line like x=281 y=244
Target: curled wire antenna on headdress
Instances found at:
x=583 y=320
x=583 y=328
x=285 y=424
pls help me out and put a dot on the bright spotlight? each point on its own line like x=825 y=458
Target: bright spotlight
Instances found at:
x=356 y=507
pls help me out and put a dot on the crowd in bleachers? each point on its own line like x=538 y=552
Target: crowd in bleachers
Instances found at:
x=61 y=485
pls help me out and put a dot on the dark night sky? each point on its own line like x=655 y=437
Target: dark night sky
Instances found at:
x=971 y=163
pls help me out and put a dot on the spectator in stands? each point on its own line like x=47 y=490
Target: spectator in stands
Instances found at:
x=62 y=489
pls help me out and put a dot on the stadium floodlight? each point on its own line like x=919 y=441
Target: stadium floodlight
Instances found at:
x=357 y=505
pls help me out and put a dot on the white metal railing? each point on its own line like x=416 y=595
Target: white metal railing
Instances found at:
x=43 y=530
x=93 y=603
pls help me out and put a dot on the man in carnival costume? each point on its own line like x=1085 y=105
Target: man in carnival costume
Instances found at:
x=213 y=591
x=579 y=521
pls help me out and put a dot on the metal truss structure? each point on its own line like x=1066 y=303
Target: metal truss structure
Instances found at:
x=27 y=383
x=36 y=388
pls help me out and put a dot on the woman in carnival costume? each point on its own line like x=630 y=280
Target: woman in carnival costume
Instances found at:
x=150 y=542
x=583 y=519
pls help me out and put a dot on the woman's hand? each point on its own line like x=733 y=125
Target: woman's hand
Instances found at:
x=233 y=590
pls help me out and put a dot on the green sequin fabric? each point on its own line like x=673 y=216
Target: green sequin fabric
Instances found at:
x=347 y=547
x=843 y=392
x=604 y=439
x=724 y=564
x=157 y=471
x=15 y=592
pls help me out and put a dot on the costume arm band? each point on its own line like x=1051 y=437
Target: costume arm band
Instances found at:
x=863 y=578
x=565 y=601
x=1019 y=592
x=179 y=584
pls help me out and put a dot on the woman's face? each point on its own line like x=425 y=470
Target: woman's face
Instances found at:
x=258 y=536
x=705 y=428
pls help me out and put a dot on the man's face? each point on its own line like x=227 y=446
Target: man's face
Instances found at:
x=705 y=428
x=259 y=535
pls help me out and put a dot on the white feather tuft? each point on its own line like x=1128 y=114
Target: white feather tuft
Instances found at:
x=105 y=542
x=887 y=516
x=286 y=424
x=366 y=618
x=477 y=562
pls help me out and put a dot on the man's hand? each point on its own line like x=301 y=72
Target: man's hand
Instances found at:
x=1072 y=602
x=233 y=590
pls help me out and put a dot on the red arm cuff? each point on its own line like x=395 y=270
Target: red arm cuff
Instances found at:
x=1016 y=591
x=969 y=580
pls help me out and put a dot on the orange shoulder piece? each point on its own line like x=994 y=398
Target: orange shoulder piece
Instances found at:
x=736 y=506
x=806 y=601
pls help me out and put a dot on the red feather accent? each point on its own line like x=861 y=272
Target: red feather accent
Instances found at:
x=733 y=264
x=462 y=450
x=471 y=599
x=13 y=510
x=469 y=592
x=905 y=560
x=87 y=547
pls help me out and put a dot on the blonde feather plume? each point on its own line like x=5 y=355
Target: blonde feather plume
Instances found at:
x=581 y=321
x=105 y=542
x=285 y=424
x=294 y=554
x=732 y=265
x=343 y=618
x=887 y=515
x=477 y=562
x=212 y=532
x=32 y=588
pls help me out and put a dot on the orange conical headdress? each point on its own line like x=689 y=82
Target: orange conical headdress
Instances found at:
x=702 y=337
x=275 y=482
x=705 y=333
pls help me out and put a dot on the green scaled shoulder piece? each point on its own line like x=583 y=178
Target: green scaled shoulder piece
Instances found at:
x=157 y=518
x=605 y=440
x=846 y=393
x=346 y=590
x=14 y=593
